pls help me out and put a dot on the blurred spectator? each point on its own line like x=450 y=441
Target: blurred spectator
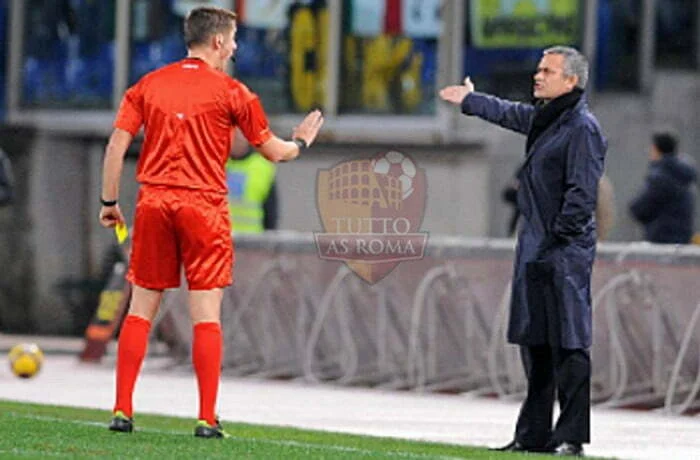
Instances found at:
x=252 y=192
x=666 y=204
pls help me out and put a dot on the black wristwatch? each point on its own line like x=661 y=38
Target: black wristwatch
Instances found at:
x=300 y=142
x=108 y=203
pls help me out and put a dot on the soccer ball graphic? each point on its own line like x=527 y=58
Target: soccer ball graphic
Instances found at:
x=26 y=359
x=398 y=165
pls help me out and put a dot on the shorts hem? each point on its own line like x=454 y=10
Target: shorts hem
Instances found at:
x=208 y=287
x=152 y=286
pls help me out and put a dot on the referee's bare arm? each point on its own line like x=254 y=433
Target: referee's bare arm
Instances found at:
x=276 y=149
x=116 y=149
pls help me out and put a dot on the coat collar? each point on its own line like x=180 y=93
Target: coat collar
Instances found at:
x=580 y=106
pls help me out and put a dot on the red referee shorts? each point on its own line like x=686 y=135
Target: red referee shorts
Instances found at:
x=175 y=227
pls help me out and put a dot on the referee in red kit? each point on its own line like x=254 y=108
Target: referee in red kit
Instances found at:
x=189 y=110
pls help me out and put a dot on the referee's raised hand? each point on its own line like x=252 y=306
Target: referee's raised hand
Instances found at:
x=308 y=129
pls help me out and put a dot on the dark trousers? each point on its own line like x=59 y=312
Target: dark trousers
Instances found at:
x=566 y=374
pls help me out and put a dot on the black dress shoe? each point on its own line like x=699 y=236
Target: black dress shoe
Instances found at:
x=516 y=446
x=569 y=449
x=513 y=446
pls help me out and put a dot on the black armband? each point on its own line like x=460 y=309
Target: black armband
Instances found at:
x=108 y=203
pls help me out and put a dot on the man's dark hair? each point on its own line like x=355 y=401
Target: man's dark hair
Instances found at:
x=201 y=23
x=665 y=141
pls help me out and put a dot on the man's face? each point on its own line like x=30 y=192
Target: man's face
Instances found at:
x=550 y=81
x=226 y=46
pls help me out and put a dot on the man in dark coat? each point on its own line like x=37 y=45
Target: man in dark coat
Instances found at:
x=550 y=312
x=666 y=204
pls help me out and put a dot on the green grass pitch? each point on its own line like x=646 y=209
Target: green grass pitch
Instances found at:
x=38 y=431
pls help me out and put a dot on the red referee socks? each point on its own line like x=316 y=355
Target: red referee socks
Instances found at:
x=133 y=340
x=206 y=359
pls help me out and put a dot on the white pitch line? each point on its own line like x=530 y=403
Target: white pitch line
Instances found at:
x=34 y=453
x=237 y=438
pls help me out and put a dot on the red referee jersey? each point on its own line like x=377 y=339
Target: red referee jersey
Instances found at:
x=188 y=110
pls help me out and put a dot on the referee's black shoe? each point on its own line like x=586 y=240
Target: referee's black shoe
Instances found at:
x=205 y=430
x=121 y=422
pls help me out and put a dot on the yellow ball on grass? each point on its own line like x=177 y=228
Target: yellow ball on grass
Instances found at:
x=26 y=360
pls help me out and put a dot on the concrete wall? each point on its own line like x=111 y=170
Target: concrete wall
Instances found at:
x=56 y=212
x=457 y=196
x=68 y=245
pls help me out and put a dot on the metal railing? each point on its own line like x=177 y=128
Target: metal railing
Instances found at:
x=439 y=325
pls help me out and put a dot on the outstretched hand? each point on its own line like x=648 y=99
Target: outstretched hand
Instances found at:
x=309 y=127
x=455 y=94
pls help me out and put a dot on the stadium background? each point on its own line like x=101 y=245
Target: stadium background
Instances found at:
x=374 y=67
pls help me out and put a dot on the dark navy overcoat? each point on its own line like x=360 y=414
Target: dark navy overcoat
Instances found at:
x=551 y=290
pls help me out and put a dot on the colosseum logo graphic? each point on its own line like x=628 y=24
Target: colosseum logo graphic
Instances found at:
x=371 y=210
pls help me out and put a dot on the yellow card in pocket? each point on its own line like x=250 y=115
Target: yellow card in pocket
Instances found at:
x=122 y=232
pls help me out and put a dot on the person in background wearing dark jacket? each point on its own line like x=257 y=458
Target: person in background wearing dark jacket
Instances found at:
x=666 y=204
x=550 y=309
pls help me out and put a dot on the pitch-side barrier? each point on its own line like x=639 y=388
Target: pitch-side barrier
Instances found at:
x=439 y=324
